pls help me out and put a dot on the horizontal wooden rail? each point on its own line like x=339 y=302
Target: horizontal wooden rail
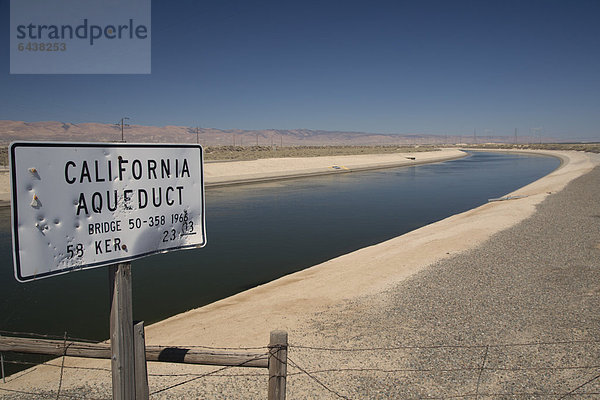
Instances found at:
x=153 y=353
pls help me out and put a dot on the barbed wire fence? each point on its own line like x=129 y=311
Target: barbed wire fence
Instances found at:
x=550 y=370
x=479 y=365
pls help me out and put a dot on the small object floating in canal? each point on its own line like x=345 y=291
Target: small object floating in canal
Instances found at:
x=507 y=198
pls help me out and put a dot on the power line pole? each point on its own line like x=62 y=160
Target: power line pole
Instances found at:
x=516 y=139
x=488 y=134
x=122 y=126
x=533 y=132
x=197 y=139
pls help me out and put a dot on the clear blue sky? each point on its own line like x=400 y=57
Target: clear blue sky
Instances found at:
x=439 y=67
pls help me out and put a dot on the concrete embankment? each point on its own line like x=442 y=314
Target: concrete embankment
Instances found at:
x=230 y=173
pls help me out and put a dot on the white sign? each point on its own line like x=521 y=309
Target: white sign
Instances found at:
x=85 y=205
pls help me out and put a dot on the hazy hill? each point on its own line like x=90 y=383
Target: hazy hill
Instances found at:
x=96 y=132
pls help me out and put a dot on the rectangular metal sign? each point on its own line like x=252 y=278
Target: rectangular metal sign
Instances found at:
x=85 y=205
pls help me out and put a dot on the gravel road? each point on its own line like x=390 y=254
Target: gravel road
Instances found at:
x=538 y=282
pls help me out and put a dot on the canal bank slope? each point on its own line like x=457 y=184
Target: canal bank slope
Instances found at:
x=247 y=317
x=324 y=305
x=267 y=169
x=223 y=173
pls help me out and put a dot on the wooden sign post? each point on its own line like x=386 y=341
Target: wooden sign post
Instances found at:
x=121 y=332
x=86 y=205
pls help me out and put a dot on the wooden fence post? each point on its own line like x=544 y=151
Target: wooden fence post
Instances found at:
x=2 y=362
x=278 y=346
x=121 y=332
x=142 y=392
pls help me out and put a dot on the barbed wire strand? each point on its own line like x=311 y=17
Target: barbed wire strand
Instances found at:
x=465 y=369
x=256 y=375
x=295 y=365
x=48 y=364
x=580 y=386
x=476 y=394
x=45 y=336
x=62 y=367
x=207 y=374
x=481 y=372
x=20 y=374
x=208 y=350
x=321 y=371
x=90 y=341
x=190 y=380
x=299 y=346
x=536 y=394
x=442 y=346
x=221 y=348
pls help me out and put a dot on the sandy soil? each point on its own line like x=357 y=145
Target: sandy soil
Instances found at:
x=247 y=318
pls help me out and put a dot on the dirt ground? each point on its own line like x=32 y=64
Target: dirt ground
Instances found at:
x=588 y=147
x=259 y=152
x=216 y=153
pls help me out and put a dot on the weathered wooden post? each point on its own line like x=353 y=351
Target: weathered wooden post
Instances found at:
x=2 y=362
x=278 y=346
x=141 y=370
x=121 y=332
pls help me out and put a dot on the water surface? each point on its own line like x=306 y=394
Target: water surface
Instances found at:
x=259 y=232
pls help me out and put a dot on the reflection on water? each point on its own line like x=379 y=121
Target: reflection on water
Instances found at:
x=259 y=232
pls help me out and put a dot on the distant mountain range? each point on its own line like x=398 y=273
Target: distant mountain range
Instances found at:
x=96 y=132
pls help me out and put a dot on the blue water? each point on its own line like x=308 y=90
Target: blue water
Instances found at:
x=259 y=232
